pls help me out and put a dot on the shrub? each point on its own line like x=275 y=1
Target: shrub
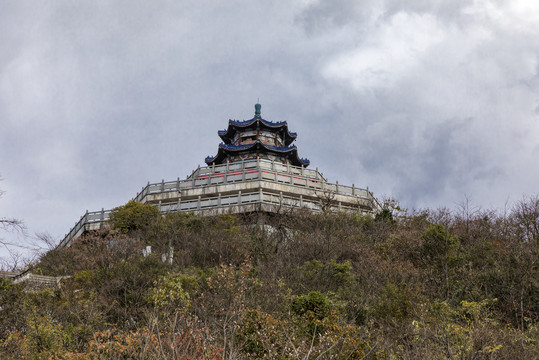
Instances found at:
x=314 y=303
x=133 y=216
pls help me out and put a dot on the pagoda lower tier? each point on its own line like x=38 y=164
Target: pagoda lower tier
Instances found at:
x=252 y=185
x=258 y=149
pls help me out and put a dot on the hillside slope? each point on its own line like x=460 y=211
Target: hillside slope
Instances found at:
x=431 y=284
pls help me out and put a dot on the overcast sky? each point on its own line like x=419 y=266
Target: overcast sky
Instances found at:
x=428 y=102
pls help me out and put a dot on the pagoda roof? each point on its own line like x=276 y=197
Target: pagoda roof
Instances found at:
x=290 y=152
x=235 y=125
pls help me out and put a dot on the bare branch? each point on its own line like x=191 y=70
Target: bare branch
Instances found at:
x=45 y=241
x=8 y=224
x=11 y=225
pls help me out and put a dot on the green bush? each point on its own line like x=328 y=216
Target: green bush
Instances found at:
x=133 y=216
x=438 y=243
x=314 y=303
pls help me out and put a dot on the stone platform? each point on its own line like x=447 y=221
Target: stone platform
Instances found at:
x=242 y=187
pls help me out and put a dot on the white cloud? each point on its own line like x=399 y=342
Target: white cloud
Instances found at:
x=513 y=16
x=390 y=52
x=452 y=100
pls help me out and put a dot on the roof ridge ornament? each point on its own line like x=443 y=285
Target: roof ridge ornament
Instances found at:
x=257 y=109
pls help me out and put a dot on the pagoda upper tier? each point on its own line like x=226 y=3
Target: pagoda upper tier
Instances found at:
x=254 y=138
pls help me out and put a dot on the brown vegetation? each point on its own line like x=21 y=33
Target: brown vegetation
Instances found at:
x=427 y=285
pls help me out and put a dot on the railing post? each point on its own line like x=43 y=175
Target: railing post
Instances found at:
x=219 y=199
x=82 y=222
x=195 y=174
x=178 y=184
x=102 y=218
x=302 y=169
x=336 y=186
x=239 y=197
x=300 y=200
x=162 y=185
x=198 y=203
x=353 y=189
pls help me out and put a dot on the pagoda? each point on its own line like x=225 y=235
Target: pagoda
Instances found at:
x=256 y=170
x=257 y=138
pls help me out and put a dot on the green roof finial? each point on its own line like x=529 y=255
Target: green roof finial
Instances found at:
x=257 y=110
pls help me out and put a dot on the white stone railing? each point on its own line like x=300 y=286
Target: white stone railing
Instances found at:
x=250 y=170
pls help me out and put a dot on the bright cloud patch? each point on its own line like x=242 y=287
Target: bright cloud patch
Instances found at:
x=389 y=52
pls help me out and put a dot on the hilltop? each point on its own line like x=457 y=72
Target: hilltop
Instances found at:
x=429 y=284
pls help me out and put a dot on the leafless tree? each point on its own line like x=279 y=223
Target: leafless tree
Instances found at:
x=526 y=217
x=326 y=199
x=45 y=242
x=10 y=225
x=12 y=261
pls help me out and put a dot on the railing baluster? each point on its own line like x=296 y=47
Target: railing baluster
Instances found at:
x=312 y=179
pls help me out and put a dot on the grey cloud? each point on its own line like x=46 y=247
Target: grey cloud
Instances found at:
x=319 y=16
x=98 y=98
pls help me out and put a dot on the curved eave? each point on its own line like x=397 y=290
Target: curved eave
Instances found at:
x=290 y=152
x=236 y=125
